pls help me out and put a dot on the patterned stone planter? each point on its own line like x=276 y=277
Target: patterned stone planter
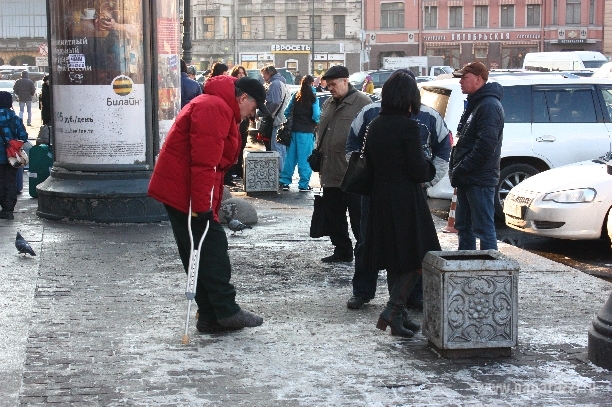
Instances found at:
x=470 y=305
x=261 y=171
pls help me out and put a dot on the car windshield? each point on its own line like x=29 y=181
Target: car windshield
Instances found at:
x=593 y=64
x=7 y=84
x=357 y=78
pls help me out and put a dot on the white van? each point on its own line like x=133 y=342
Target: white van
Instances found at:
x=564 y=61
x=550 y=120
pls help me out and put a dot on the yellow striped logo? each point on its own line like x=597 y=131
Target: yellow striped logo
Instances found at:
x=122 y=85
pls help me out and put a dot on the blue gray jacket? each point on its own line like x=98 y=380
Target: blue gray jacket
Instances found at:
x=435 y=136
x=189 y=89
x=277 y=98
x=11 y=127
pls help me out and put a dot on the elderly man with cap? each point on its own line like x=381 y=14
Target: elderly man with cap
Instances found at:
x=11 y=127
x=201 y=146
x=475 y=158
x=436 y=139
x=24 y=88
x=337 y=113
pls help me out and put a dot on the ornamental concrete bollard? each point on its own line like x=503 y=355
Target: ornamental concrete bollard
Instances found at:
x=470 y=303
x=261 y=171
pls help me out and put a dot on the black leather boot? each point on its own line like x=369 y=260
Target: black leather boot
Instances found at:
x=393 y=314
x=408 y=323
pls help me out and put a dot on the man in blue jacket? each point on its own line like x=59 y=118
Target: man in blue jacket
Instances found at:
x=475 y=158
x=189 y=88
x=436 y=140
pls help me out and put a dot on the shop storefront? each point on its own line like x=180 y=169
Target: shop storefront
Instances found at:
x=497 y=50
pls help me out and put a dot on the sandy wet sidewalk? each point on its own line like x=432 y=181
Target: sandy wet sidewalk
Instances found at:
x=97 y=318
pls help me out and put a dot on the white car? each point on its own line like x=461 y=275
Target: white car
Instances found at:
x=568 y=202
x=6 y=85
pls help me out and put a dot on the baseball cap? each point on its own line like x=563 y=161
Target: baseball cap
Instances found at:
x=476 y=68
x=6 y=100
x=336 y=72
x=254 y=89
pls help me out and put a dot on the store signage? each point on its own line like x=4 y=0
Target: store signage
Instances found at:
x=289 y=47
x=482 y=36
x=576 y=41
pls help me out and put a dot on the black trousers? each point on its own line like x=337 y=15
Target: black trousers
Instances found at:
x=215 y=295
x=8 y=187
x=336 y=205
x=365 y=278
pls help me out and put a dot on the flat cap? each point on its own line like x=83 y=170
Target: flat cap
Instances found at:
x=476 y=68
x=336 y=72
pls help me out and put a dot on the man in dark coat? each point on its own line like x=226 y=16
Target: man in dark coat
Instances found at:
x=24 y=88
x=337 y=114
x=189 y=88
x=475 y=159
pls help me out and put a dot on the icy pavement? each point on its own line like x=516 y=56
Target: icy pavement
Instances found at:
x=97 y=319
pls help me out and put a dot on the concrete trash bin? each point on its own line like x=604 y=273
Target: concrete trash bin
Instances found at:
x=470 y=303
x=261 y=171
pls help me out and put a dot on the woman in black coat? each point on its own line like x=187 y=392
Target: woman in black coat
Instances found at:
x=400 y=229
x=45 y=101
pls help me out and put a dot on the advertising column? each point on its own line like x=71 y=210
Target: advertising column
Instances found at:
x=115 y=85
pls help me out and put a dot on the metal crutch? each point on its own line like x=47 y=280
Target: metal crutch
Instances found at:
x=192 y=275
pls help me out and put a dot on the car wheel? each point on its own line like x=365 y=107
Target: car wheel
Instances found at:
x=509 y=177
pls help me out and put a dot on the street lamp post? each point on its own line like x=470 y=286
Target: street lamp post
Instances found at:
x=312 y=37
x=187 y=31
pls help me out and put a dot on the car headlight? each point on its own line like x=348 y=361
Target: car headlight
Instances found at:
x=572 y=196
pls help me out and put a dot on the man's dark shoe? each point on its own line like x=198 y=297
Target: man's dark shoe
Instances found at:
x=243 y=319
x=6 y=215
x=284 y=187
x=335 y=258
x=212 y=326
x=357 y=302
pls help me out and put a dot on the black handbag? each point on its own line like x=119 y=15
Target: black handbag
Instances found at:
x=319 y=223
x=266 y=124
x=358 y=178
x=314 y=159
x=284 y=134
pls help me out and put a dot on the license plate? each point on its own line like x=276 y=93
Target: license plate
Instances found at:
x=514 y=209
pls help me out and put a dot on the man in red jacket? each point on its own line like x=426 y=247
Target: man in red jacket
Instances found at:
x=201 y=146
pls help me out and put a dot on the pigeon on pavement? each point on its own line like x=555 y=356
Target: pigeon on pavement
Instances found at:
x=23 y=246
x=235 y=225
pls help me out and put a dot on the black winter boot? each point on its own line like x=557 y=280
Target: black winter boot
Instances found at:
x=393 y=314
x=6 y=215
x=408 y=323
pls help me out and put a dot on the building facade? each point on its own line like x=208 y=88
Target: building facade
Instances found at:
x=255 y=33
x=23 y=31
x=496 y=32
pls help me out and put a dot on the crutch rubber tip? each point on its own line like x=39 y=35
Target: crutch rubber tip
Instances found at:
x=185 y=339
x=197 y=315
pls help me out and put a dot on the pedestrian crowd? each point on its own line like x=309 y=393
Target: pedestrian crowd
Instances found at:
x=405 y=144
x=407 y=149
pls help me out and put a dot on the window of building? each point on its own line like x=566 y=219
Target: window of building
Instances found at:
x=196 y=31
x=317 y=27
x=245 y=31
x=533 y=15
x=430 y=17
x=19 y=19
x=291 y=5
x=292 y=28
x=554 y=12
x=226 y=27
x=208 y=28
x=481 y=17
x=507 y=15
x=246 y=8
x=455 y=17
x=392 y=15
x=592 y=12
x=269 y=28
x=572 y=12
x=339 y=28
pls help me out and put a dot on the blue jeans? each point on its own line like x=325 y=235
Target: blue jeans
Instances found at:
x=282 y=150
x=28 y=105
x=297 y=153
x=474 y=217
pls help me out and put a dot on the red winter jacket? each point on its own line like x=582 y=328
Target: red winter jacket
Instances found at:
x=201 y=146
